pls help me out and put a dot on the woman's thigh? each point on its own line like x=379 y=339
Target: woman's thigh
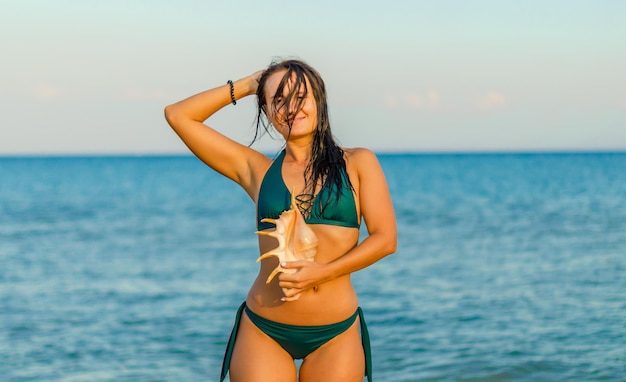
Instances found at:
x=257 y=357
x=339 y=360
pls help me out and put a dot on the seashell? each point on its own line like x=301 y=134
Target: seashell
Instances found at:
x=296 y=240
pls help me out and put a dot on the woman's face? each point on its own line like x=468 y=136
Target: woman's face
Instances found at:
x=303 y=121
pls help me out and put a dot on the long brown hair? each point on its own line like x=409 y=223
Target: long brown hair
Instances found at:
x=327 y=165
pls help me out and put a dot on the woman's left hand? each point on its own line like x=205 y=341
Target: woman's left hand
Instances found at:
x=308 y=275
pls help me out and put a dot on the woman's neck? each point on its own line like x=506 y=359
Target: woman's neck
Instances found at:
x=297 y=154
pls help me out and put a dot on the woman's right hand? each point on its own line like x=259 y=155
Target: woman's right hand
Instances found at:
x=254 y=80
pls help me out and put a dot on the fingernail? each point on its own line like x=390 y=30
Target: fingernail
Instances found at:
x=283 y=264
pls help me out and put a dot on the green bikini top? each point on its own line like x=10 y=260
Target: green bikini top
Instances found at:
x=274 y=198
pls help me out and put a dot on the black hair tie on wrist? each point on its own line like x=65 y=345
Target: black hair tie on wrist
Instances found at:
x=232 y=92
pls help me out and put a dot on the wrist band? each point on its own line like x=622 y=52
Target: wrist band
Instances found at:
x=232 y=91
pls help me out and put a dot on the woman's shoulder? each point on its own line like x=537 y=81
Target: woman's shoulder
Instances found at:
x=360 y=163
x=359 y=155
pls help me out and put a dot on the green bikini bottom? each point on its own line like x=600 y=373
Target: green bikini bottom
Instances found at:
x=299 y=341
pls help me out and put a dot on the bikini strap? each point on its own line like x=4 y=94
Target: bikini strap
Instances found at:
x=367 y=349
x=231 y=344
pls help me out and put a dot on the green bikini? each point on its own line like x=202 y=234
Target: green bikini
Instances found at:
x=274 y=198
x=300 y=341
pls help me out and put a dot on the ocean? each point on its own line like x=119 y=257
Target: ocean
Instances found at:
x=509 y=267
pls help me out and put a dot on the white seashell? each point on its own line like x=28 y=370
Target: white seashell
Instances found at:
x=296 y=240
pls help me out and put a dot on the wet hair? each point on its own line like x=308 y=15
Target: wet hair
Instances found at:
x=326 y=165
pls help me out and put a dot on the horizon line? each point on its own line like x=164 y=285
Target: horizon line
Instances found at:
x=270 y=153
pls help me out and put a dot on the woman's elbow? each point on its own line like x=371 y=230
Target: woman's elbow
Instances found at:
x=391 y=244
x=169 y=113
x=387 y=240
x=174 y=117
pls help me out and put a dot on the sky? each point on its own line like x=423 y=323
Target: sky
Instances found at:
x=93 y=77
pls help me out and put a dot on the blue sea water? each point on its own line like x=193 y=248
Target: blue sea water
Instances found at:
x=510 y=267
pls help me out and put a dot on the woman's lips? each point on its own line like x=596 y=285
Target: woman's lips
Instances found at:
x=291 y=122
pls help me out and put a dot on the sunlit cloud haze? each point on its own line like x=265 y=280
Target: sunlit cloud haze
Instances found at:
x=93 y=77
x=490 y=101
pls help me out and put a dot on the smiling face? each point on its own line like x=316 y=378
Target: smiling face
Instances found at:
x=289 y=105
x=291 y=96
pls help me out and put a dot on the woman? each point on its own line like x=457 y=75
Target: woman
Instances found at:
x=312 y=313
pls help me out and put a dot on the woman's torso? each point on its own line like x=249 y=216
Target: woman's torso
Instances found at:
x=330 y=302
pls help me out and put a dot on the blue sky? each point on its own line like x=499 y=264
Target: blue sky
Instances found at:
x=93 y=76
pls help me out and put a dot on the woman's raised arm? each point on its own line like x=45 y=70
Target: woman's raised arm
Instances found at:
x=231 y=159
